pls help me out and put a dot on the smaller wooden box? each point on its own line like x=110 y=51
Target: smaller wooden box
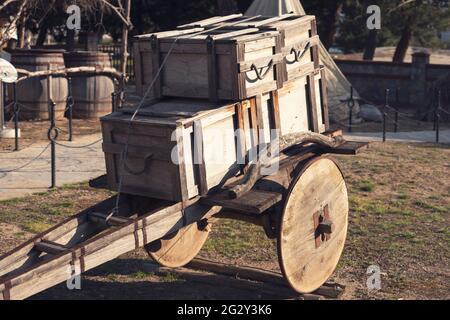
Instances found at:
x=300 y=42
x=217 y=65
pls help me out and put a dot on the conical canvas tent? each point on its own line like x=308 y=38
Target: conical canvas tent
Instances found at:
x=338 y=85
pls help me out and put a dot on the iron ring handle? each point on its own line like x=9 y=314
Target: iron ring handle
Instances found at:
x=351 y=103
x=52 y=134
x=258 y=72
x=297 y=54
x=137 y=173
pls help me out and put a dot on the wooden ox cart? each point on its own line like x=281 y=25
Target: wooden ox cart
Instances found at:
x=166 y=205
x=304 y=206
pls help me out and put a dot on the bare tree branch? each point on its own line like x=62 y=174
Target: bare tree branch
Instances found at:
x=6 y=3
x=13 y=23
x=118 y=13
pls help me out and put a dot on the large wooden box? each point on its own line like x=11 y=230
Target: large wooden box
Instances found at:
x=217 y=65
x=300 y=42
x=177 y=149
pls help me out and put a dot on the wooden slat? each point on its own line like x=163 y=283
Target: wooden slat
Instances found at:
x=241 y=147
x=210 y=21
x=212 y=70
x=102 y=218
x=276 y=113
x=156 y=60
x=199 y=159
x=50 y=247
x=313 y=104
x=253 y=202
x=348 y=148
x=324 y=99
x=98 y=250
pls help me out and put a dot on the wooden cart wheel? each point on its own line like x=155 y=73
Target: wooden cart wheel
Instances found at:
x=313 y=225
x=179 y=248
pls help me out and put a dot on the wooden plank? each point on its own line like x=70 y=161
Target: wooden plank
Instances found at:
x=210 y=21
x=348 y=148
x=315 y=49
x=212 y=70
x=199 y=157
x=241 y=147
x=324 y=98
x=156 y=62
x=99 y=250
x=313 y=104
x=50 y=247
x=102 y=218
x=254 y=125
x=276 y=113
x=253 y=202
x=182 y=179
x=24 y=255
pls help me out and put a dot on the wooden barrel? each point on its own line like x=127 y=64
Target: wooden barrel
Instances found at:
x=33 y=93
x=91 y=93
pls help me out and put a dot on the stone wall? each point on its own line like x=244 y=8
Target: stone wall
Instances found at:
x=415 y=81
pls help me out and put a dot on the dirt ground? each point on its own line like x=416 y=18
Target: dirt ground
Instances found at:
x=399 y=220
x=35 y=131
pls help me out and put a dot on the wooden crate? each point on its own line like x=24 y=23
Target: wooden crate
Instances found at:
x=217 y=65
x=169 y=130
x=300 y=42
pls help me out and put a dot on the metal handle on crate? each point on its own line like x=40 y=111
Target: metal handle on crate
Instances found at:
x=137 y=173
x=298 y=54
x=258 y=72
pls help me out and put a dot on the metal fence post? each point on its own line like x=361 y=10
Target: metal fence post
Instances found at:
x=69 y=105
x=113 y=101
x=351 y=104
x=386 y=104
x=52 y=136
x=438 y=115
x=16 y=109
x=397 y=102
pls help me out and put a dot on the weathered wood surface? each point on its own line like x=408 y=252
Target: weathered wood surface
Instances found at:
x=288 y=141
x=32 y=93
x=307 y=256
x=328 y=290
x=178 y=249
x=69 y=71
x=253 y=202
x=24 y=272
x=91 y=93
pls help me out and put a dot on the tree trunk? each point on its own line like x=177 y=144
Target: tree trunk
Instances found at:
x=42 y=35
x=369 y=51
x=226 y=7
x=403 y=44
x=125 y=28
x=332 y=23
x=21 y=32
x=70 y=40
